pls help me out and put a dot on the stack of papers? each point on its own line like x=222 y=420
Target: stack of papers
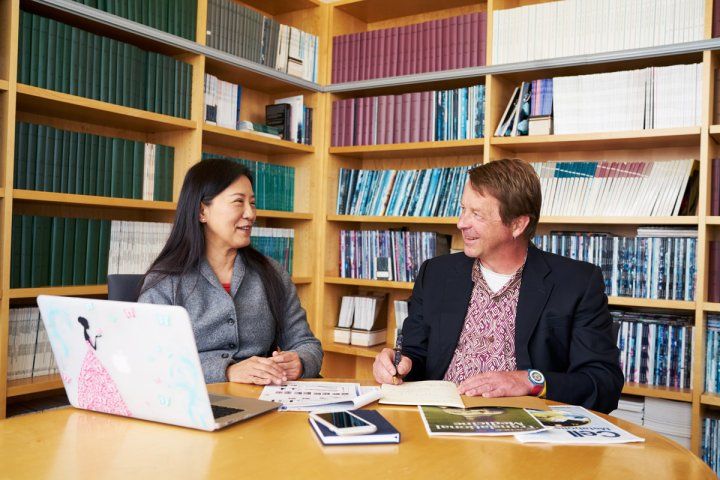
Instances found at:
x=630 y=409
x=320 y=396
x=671 y=419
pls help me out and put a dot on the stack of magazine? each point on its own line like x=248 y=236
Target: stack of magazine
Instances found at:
x=561 y=424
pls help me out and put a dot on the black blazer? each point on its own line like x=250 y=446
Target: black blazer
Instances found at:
x=563 y=327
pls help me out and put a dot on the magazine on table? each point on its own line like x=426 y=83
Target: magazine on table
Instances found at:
x=478 y=421
x=575 y=425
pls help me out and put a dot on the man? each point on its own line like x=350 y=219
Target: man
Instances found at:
x=504 y=318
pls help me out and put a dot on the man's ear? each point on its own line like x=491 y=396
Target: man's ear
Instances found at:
x=519 y=225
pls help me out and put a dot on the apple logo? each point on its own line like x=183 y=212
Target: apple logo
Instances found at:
x=121 y=363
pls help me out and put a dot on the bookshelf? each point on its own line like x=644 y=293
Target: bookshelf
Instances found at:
x=699 y=142
x=190 y=137
x=27 y=386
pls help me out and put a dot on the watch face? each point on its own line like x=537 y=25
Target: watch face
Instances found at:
x=536 y=376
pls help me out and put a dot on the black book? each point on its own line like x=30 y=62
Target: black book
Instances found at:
x=278 y=115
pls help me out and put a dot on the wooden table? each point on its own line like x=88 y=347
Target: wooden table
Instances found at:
x=70 y=443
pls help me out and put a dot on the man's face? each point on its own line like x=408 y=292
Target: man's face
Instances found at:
x=483 y=231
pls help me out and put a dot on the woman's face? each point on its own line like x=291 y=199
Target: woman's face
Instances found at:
x=229 y=218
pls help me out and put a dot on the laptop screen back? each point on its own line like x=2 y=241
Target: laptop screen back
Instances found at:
x=131 y=359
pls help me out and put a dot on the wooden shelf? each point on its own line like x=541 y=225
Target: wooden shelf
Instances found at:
x=73 y=199
x=251 y=142
x=368 y=352
x=712 y=399
x=128 y=203
x=2 y=192
x=369 y=283
x=75 y=291
x=712 y=220
x=654 y=138
x=277 y=7
x=418 y=149
x=40 y=384
x=253 y=75
x=70 y=107
x=715 y=132
x=613 y=301
x=284 y=215
x=370 y=11
x=83 y=290
x=684 y=220
x=711 y=307
x=649 y=303
x=668 y=393
x=680 y=220
x=4 y=85
x=382 y=219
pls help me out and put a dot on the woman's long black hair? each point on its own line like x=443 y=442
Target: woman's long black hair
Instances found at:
x=186 y=245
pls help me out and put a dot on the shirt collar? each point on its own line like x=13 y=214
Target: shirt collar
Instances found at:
x=479 y=279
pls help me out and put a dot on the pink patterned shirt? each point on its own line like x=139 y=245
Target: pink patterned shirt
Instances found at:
x=487 y=340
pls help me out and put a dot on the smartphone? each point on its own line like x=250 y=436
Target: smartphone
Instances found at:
x=344 y=423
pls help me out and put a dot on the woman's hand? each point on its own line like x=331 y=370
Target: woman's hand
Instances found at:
x=290 y=364
x=257 y=370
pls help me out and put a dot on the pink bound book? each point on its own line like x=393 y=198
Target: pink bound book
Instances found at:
x=346 y=71
x=415 y=113
x=355 y=61
x=422 y=137
x=360 y=121
x=407 y=112
x=335 y=59
x=416 y=49
x=364 y=55
x=350 y=122
x=474 y=39
x=390 y=120
x=483 y=38
x=397 y=124
x=335 y=124
x=445 y=43
x=340 y=123
x=467 y=40
x=370 y=116
x=372 y=56
x=393 y=52
x=382 y=120
x=454 y=43
x=382 y=53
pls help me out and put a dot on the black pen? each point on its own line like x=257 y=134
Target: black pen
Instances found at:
x=398 y=356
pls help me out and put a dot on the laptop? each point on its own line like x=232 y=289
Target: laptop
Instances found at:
x=136 y=360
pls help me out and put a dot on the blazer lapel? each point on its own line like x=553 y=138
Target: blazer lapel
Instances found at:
x=457 y=292
x=534 y=294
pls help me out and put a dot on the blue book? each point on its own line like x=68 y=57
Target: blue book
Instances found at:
x=385 y=432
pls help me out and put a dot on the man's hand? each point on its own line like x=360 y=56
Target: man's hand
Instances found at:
x=257 y=370
x=290 y=363
x=384 y=370
x=497 y=384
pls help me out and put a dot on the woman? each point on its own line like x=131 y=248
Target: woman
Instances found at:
x=247 y=319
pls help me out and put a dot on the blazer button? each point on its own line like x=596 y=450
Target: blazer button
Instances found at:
x=225 y=355
x=231 y=321
x=231 y=345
